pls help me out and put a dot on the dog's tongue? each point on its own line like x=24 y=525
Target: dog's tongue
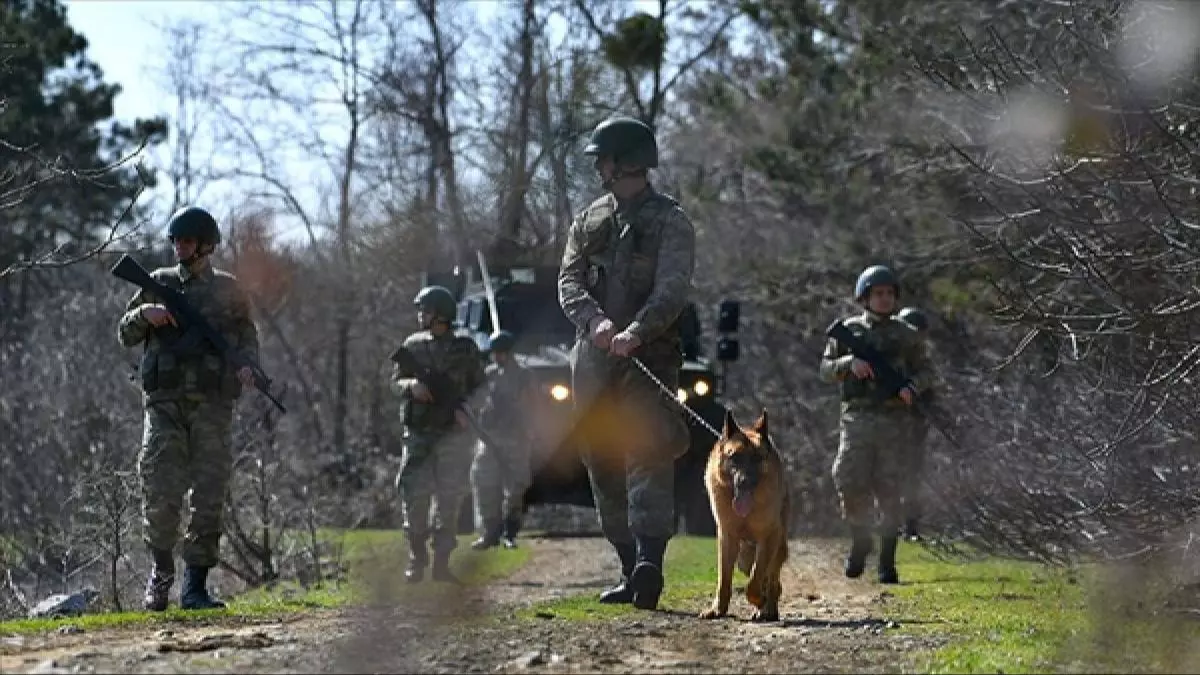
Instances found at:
x=742 y=504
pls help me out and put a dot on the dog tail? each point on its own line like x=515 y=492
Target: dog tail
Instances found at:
x=745 y=561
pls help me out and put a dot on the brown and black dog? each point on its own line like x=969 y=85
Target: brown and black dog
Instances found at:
x=747 y=489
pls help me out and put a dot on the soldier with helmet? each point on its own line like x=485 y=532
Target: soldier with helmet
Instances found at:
x=624 y=281
x=501 y=473
x=869 y=466
x=189 y=391
x=432 y=481
x=910 y=493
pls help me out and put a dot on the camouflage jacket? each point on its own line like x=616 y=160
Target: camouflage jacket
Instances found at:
x=172 y=370
x=509 y=395
x=934 y=381
x=631 y=262
x=903 y=346
x=458 y=357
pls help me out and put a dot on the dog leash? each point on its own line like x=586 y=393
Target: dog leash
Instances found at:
x=673 y=397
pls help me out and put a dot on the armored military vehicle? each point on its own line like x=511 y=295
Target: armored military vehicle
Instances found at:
x=527 y=306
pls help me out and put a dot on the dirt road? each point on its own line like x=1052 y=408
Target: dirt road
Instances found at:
x=829 y=625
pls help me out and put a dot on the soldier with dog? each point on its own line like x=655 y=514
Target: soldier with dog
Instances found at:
x=624 y=281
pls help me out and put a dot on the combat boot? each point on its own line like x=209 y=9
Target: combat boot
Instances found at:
x=158 y=586
x=622 y=593
x=887 y=560
x=489 y=538
x=910 y=530
x=418 y=559
x=441 y=568
x=512 y=525
x=860 y=548
x=195 y=590
x=647 y=577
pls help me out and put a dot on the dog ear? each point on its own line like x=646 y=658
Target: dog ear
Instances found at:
x=731 y=425
x=760 y=425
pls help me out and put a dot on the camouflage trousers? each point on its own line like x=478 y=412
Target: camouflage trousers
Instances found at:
x=871 y=465
x=186 y=446
x=499 y=478
x=910 y=492
x=432 y=483
x=630 y=437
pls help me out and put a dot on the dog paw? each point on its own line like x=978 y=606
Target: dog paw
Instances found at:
x=763 y=616
x=712 y=613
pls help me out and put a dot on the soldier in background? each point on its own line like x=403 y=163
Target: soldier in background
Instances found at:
x=624 y=281
x=869 y=467
x=910 y=494
x=500 y=475
x=432 y=481
x=189 y=391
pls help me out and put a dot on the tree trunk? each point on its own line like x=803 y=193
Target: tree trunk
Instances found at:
x=514 y=199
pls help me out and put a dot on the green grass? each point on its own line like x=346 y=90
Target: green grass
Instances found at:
x=1016 y=617
x=692 y=577
x=370 y=555
x=995 y=615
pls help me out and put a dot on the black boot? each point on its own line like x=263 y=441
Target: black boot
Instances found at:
x=158 y=586
x=622 y=593
x=512 y=525
x=887 y=560
x=647 y=577
x=195 y=590
x=860 y=547
x=489 y=538
x=418 y=559
x=441 y=568
x=910 y=530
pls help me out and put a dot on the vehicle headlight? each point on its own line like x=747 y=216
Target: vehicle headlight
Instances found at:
x=701 y=387
x=560 y=392
x=681 y=395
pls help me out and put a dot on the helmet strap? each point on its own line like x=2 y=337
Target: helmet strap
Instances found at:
x=620 y=173
x=434 y=320
x=202 y=251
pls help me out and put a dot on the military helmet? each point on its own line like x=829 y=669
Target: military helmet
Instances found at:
x=437 y=300
x=875 y=275
x=913 y=316
x=626 y=140
x=196 y=223
x=501 y=341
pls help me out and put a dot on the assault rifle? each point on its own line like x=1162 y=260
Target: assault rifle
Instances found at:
x=443 y=389
x=194 y=328
x=888 y=382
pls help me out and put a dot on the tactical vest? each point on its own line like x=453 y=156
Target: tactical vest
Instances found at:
x=864 y=392
x=622 y=258
x=182 y=365
x=450 y=358
x=504 y=407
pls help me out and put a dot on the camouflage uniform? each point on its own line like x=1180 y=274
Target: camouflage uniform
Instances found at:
x=910 y=489
x=870 y=463
x=500 y=475
x=189 y=396
x=632 y=263
x=914 y=468
x=432 y=481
